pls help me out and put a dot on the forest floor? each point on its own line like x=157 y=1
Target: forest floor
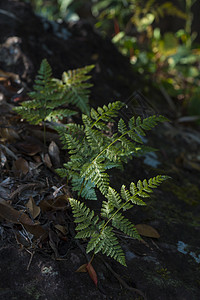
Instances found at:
x=166 y=264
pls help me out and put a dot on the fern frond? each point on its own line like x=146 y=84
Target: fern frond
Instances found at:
x=49 y=95
x=102 y=238
x=95 y=138
x=122 y=126
x=77 y=90
x=62 y=172
x=105 y=114
x=123 y=224
x=136 y=127
x=59 y=114
x=107 y=209
x=114 y=198
x=85 y=217
x=70 y=143
x=86 y=189
x=108 y=244
x=95 y=171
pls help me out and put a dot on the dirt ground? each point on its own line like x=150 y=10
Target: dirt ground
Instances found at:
x=166 y=266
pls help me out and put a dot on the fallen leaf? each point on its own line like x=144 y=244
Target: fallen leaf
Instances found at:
x=47 y=161
x=30 y=146
x=46 y=206
x=8 y=134
x=82 y=269
x=37 y=159
x=18 y=217
x=13 y=76
x=59 y=203
x=8 y=151
x=25 y=186
x=33 y=209
x=37 y=230
x=92 y=273
x=54 y=153
x=61 y=229
x=12 y=215
x=21 y=166
x=3 y=159
x=53 y=242
x=147 y=230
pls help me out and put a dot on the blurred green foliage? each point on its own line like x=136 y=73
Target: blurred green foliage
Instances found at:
x=170 y=59
x=56 y=9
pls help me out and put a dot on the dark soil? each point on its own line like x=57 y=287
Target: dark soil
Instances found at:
x=164 y=268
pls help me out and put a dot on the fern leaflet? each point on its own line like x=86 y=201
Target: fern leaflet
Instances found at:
x=102 y=237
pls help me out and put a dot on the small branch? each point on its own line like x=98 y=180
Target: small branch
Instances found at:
x=31 y=258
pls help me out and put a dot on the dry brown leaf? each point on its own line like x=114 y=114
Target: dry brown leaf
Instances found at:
x=8 y=151
x=8 y=134
x=23 y=187
x=82 y=269
x=61 y=229
x=29 y=147
x=60 y=201
x=54 y=153
x=5 y=75
x=47 y=161
x=147 y=230
x=45 y=205
x=18 y=217
x=12 y=215
x=21 y=166
x=37 y=230
x=33 y=209
x=53 y=242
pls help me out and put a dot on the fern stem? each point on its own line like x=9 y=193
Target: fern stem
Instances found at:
x=92 y=258
x=116 y=212
x=96 y=121
x=44 y=134
x=111 y=144
x=82 y=186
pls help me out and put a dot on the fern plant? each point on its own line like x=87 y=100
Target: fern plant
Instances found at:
x=49 y=95
x=93 y=153
x=93 y=148
x=100 y=229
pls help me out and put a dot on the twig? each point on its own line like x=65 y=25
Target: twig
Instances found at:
x=9 y=14
x=31 y=258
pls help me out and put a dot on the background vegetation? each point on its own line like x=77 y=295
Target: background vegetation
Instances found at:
x=170 y=59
